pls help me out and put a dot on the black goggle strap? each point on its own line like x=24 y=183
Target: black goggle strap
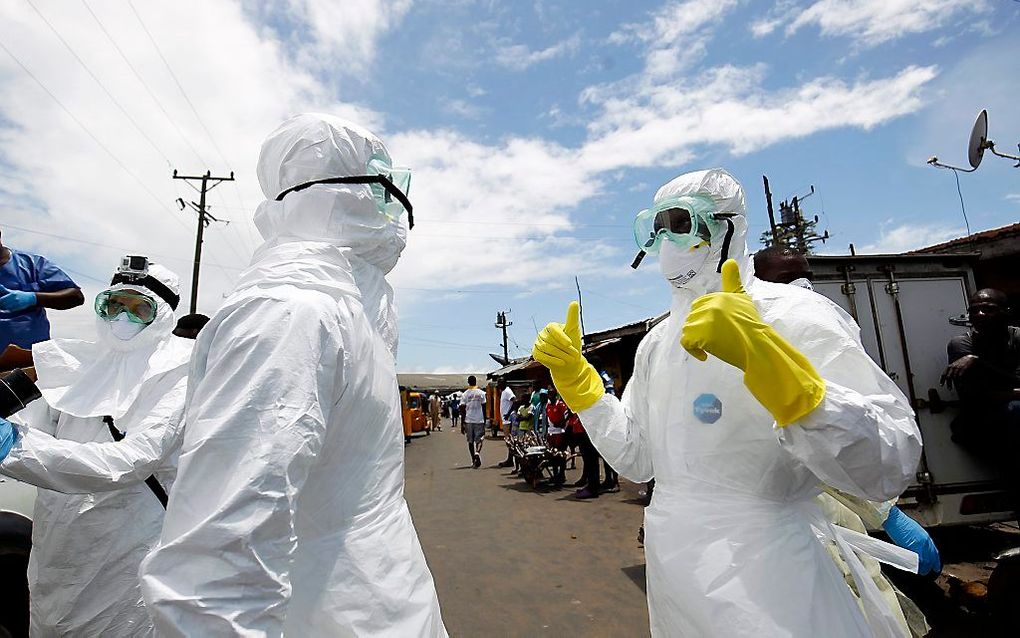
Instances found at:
x=726 y=240
x=150 y=282
x=638 y=259
x=391 y=189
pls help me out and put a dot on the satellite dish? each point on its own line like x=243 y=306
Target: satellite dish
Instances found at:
x=978 y=139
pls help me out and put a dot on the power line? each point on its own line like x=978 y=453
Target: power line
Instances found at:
x=173 y=75
x=962 y=206
x=184 y=94
x=85 y=128
x=99 y=82
x=144 y=84
x=123 y=249
x=626 y=303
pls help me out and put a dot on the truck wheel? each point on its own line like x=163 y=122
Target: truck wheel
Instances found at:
x=1003 y=594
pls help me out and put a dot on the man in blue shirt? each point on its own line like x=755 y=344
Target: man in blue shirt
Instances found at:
x=28 y=285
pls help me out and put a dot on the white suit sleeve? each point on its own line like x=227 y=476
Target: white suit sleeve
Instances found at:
x=68 y=466
x=256 y=421
x=618 y=428
x=863 y=438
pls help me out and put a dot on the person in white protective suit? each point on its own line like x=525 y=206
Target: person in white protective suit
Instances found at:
x=288 y=514
x=742 y=404
x=99 y=445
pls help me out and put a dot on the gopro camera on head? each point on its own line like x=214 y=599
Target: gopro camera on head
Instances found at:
x=135 y=266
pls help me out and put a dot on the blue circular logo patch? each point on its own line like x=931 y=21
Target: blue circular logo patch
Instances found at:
x=708 y=408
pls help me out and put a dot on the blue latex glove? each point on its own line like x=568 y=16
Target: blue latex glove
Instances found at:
x=13 y=300
x=906 y=533
x=8 y=434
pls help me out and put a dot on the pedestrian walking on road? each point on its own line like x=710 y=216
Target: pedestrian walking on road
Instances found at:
x=473 y=400
x=435 y=407
x=455 y=411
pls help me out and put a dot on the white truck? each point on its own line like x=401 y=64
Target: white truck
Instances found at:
x=908 y=307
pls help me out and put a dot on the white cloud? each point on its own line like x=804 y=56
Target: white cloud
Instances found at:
x=904 y=237
x=1013 y=197
x=778 y=15
x=676 y=35
x=873 y=22
x=346 y=32
x=650 y=123
x=79 y=192
x=461 y=108
x=496 y=213
x=518 y=57
x=502 y=213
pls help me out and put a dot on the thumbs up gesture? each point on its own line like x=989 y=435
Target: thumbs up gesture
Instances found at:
x=726 y=325
x=558 y=347
x=719 y=322
x=14 y=300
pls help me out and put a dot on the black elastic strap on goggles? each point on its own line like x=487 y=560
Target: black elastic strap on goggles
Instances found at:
x=151 y=482
x=725 y=244
x=390 y=187
x=150 y=282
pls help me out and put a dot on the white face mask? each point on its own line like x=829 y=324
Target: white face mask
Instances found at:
x=680 y=265
x=125 y=329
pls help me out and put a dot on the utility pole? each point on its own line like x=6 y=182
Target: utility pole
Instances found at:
x=768 y=201
x=503 y=324
x=793 y=230
x=203 y=220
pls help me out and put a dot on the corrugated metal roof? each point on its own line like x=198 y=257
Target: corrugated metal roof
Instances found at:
x=638 y=327
x=985 y=236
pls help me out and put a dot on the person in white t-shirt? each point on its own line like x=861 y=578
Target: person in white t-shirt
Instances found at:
x=473 y=401
x=507 y=404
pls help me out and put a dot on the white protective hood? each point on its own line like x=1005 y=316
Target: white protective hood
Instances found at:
x=310 y=147
x=726 y=191
x=105 y=376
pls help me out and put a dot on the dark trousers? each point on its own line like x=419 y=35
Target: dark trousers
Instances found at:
x=591 y=458
x=1008 y=453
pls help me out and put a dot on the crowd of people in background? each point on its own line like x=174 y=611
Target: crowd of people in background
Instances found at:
x=533 y=414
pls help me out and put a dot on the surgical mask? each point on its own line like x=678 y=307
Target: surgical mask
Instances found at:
x=803 y=282
x=124 y=328
x=680 y=265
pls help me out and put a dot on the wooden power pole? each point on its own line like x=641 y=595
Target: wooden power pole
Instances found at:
x=208 y=183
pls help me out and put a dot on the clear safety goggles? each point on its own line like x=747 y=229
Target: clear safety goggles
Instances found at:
x=390 y=187
x=687 y=221
x=140 y=309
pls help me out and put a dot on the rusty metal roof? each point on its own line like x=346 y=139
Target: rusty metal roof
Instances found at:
x=969 y=241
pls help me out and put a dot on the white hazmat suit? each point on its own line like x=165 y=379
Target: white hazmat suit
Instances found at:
x=732 y=532
x=95 y=518
x=288 y=515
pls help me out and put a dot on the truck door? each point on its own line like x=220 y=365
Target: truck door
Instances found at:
x=903 y=308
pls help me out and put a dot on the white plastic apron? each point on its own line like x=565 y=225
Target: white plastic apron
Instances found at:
x=733 y=535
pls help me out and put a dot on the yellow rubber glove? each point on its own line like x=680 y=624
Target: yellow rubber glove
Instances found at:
x=558 y=347
x=727 y=325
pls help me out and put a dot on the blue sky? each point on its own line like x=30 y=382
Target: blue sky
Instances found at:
x=536 y=131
